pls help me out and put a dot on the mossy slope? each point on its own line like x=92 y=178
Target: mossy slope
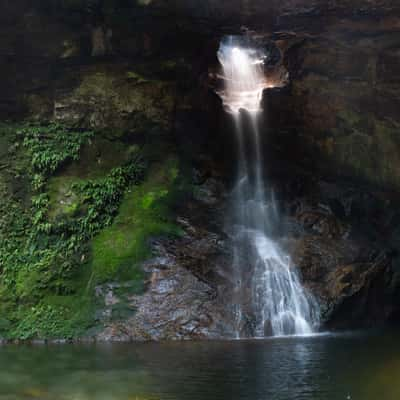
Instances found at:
x=144 y=212
x=70 y=229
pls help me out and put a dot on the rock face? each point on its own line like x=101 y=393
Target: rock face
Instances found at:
x=352 y=271
x=188 y=285
x=177 y=305
x=352 y=275
x=330 y=136
x=342 y=239
x=110 y=97
x=344 y=88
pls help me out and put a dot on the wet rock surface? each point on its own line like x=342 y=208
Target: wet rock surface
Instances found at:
x=189 y=288
x=187 y=285
x=340 y=239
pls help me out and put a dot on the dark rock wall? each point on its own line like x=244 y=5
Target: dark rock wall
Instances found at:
x=344 y=94
x=142 y=67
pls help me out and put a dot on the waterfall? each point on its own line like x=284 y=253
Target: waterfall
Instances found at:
x=268 y=291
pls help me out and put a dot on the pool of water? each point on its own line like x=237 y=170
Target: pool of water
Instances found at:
x=327 y=367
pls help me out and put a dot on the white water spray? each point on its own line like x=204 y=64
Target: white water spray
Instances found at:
x=277 y=303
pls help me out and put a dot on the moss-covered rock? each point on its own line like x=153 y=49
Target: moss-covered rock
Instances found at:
x=117 y=98
x=85 y=222
x=144 y=213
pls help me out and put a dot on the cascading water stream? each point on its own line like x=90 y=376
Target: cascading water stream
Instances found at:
x=268 y=287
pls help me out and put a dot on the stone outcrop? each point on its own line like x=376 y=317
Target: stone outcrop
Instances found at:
x=114 y=97
x=188 y=283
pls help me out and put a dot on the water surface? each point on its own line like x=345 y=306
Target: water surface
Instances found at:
x=352 y=366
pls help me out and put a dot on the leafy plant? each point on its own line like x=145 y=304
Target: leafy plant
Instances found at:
x=50 y=146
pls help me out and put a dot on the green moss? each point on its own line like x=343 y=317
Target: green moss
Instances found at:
x=64 y=201
x=97 y=159
x=136 y=77
x=144 y=212
x=86 y=216
x=55 y=317
x=45 y=281
x=129 y=100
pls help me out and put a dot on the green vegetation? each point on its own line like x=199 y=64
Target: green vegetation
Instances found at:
x=136 y=77
x=50 y=146
x=144 y=212
x=53 y=251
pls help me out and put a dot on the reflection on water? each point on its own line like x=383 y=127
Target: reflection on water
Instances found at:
x=345 y=367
